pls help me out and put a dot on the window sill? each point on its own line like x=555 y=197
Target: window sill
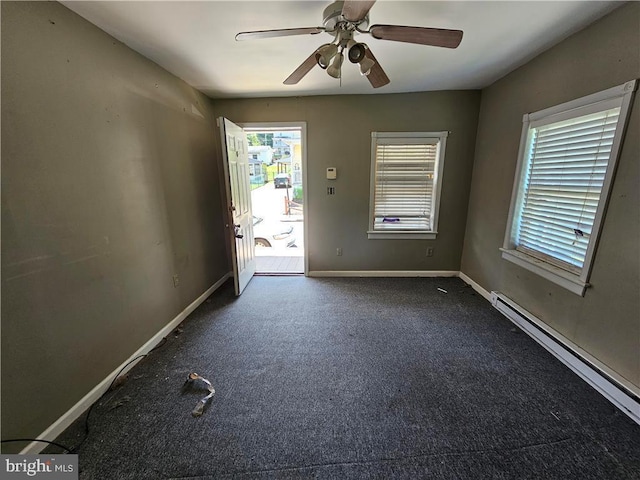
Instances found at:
x=391 y=235
x=550 y=272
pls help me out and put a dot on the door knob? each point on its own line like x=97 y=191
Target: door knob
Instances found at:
x=236 y=231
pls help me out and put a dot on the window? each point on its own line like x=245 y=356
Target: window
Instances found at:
x=566 y=164
x=406 y=172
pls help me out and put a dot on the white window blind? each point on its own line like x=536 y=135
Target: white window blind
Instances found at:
x=563 y=183
x=405 y=187
x=566 y=164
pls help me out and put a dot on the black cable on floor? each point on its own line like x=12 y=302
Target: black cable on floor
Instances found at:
x=117 y=375
x=13 y=440
x=86 y=421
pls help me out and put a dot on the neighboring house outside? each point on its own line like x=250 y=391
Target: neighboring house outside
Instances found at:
x=290 y=144
x=280 y=145
x=257 y=172
x=296 y=163
x=263 y=153
x=259 y=156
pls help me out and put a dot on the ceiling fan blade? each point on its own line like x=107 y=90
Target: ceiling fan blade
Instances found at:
x=356 y=10
x=377 y=77
x=283 y=32
x=304 y=68
x=437 y=37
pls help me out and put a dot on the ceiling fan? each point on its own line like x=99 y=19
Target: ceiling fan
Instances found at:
x=344 y=19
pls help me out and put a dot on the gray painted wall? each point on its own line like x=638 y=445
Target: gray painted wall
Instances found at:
x=110 y=186
x=339 y=135
x=606 y=322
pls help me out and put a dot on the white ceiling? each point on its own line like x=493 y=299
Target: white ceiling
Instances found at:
x=195 y=41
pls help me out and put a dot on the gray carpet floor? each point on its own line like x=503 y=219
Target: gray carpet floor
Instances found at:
x=349 y=378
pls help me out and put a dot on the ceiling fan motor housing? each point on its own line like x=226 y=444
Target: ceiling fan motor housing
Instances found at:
x=332 y=16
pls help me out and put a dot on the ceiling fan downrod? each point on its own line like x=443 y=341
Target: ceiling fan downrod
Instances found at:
x=333 y=16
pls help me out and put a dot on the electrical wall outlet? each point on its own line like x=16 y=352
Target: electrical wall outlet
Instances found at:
x=331 y=190
x=430 y=252
x=176 y=280
x=339 y=251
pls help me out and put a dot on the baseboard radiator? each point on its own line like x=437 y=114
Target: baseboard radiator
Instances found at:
x=616 y=390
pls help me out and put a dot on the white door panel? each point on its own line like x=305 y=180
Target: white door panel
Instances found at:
x=240 y=225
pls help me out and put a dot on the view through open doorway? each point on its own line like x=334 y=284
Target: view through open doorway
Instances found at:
x=277 y=198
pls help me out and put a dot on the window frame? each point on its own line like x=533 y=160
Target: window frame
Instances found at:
x=576 y=281
x=441 y=141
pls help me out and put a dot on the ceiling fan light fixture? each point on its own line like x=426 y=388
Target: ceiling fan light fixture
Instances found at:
x=325 y=54
x=366 y=65
x=356 y=53
x=335 y=69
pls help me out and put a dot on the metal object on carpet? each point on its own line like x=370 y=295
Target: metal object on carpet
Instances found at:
x=196 y=380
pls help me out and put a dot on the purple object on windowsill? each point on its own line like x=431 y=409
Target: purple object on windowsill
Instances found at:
x=390 y=219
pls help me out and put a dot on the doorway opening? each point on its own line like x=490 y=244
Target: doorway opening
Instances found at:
x=277 y=161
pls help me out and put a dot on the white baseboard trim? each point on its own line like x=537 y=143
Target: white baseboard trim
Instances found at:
x=90 y=398
x=383 y=273
x=619 y=391
x=476 y=286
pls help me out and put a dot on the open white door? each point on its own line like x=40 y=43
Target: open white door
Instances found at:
x=240 y=223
